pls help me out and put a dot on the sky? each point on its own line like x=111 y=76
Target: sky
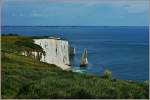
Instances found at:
x=75 y=12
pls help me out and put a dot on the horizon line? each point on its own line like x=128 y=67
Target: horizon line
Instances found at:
x=73 y=26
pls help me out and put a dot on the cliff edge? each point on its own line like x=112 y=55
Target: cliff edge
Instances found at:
x=56 y=52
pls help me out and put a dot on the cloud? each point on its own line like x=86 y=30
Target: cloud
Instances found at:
x=133 y=6
x=81 y=1
x=29 y=15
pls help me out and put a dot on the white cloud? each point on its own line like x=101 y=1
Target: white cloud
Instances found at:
x=131 y=5
x=35 y=15
x=29 y=14
x=84 y=1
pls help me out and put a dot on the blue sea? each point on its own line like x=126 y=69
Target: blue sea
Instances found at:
x=122 y=49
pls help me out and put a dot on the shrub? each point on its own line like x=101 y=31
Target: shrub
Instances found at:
x=107 y=74
x=10 y=34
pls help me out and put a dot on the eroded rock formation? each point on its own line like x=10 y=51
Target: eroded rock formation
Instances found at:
x=56 y=51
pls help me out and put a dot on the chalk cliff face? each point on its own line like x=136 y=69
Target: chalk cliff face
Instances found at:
x=56 y=51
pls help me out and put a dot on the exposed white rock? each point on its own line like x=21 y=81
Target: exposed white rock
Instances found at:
x=83 y=60
x=24 y=53
x=56 y=51
x=33 y=54
x=72 y=51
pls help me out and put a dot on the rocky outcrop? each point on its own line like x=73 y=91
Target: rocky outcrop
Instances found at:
x=72 y=51
x=33 y=54
x=56 y=51
x=83 y=60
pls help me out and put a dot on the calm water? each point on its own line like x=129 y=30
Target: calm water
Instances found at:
x=124 y=50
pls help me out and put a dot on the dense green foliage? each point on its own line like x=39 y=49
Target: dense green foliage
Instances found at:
x=10 y=34
x=27 y=45
x=19 y=44
x=24 y=77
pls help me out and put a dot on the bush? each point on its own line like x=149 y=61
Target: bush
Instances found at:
x=10 y=34
x=29 y=45
x=107 y=74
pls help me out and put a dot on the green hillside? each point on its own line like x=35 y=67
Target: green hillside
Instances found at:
x=24 y=77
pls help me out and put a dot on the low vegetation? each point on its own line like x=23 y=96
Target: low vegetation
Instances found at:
x=24 y=77
x=107 y=74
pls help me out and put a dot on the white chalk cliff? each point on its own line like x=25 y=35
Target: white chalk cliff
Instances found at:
x=56 y=51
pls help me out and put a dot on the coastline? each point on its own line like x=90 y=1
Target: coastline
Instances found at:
x=26 y=77
x=63 y=67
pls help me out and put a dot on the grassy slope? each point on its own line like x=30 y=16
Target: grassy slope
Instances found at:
x=23 y=77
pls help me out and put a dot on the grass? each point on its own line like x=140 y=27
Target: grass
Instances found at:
x=24 y=77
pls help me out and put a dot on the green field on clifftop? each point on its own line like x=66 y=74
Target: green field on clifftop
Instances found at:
x=24 y=77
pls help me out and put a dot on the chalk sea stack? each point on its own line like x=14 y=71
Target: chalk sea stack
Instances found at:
x=83 y=60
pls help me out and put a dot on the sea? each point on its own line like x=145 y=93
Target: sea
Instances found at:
x=122 y=49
